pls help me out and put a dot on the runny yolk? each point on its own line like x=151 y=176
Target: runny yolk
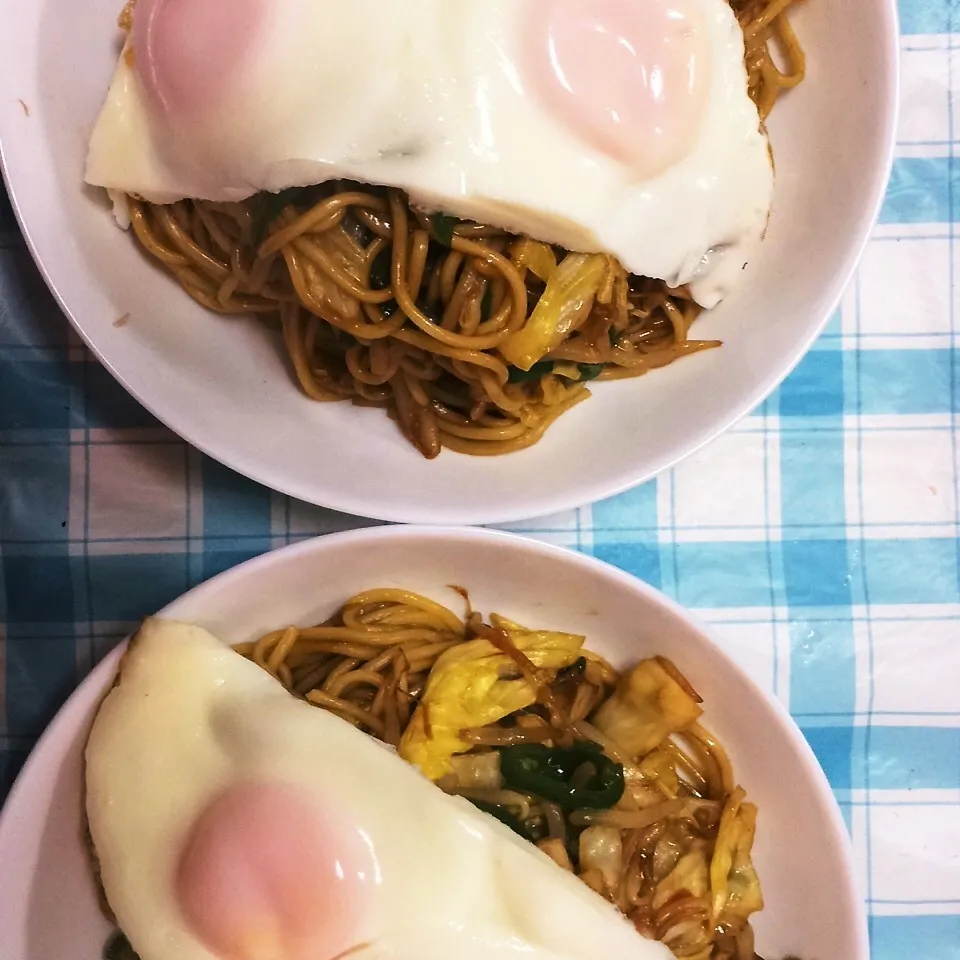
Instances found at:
x=189 y=52
x=264 y=875
x=627 y=77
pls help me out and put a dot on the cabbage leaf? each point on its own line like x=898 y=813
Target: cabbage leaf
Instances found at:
x=564 y=304
x=734 y=884
x=648 y=705
x=473 y=684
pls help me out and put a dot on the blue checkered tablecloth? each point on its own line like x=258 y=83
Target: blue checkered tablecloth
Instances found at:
x=820 y=535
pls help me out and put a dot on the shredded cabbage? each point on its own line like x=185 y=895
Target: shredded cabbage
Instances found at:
x=733 y=880
x=472 y=685
x=660 y=767
x=537 y=257
x=477 y=770
x=647 y=706
x=563 y=305
x=690 y=875
x=601 y=849
x=339 y=249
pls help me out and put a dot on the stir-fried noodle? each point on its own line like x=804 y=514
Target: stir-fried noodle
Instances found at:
x=646 y=810
x=385 y=306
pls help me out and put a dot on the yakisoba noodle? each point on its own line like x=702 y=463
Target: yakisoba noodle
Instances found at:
x=386 y=307
x=370 y=664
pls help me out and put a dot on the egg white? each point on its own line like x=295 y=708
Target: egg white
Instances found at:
x=427 y=96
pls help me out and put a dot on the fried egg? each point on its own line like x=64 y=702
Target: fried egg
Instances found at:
x=233 y=821
x=612 y=126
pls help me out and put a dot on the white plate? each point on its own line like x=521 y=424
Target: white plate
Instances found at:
x=47 y=897
x=223 y=385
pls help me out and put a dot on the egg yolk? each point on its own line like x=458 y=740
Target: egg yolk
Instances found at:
x=188 y=52
x=627 y=77
x=265 y=875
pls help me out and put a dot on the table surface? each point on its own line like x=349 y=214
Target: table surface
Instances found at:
x=820 y=535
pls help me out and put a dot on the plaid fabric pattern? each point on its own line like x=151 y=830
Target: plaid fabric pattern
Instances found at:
x=820 y=536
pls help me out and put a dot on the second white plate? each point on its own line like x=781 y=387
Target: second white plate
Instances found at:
x=48 y=902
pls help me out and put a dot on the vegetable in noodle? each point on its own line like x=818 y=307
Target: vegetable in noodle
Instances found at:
x=611 y=775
